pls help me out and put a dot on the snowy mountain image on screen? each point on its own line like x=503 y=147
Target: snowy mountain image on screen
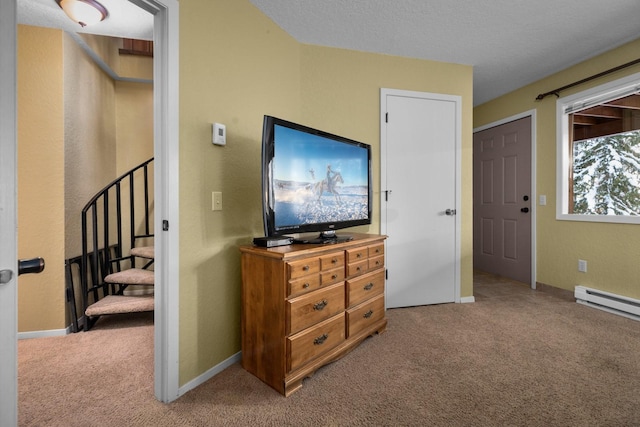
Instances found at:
x=313 y=202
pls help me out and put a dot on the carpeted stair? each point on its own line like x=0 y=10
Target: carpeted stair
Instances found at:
x=120 y=304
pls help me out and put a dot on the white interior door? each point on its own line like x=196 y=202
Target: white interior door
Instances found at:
x=8 y=218
x=420 y=155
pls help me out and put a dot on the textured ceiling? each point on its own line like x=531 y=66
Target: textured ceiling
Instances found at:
x=125 y=19
x=509 y=43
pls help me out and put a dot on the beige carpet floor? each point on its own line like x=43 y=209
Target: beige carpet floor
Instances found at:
x=515 y=357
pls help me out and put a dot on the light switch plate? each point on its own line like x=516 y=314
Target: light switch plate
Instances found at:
x=219 y=136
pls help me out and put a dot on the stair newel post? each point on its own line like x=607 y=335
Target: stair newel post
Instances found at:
x=132 y=230
x=84 y=286
x=105 y=268
x=95 y=252
x=119 y=223
x=146 y=200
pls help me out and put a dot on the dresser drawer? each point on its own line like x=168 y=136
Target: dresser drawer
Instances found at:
x=315 y=341
x=376 y=262
x=357 y=268
x=357 y=254
x=362 y=316
x=303 y=284
x=364 y=287
x=311 y=308
x=303 y=267
x=331 y=261
x=331 y=276
x=376 y=250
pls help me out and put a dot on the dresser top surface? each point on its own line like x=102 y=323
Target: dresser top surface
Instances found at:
x=306 y=249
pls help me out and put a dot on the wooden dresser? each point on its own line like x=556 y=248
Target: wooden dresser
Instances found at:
x=304 y=306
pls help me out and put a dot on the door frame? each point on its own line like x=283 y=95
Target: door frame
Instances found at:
x=166 y=179
x=384 y=92
x=534 y=197
x=166 y=112
x=8 y=215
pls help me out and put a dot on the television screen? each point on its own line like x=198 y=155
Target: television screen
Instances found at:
x=313 y=181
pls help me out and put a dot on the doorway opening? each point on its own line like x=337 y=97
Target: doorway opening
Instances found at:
x=504 y=198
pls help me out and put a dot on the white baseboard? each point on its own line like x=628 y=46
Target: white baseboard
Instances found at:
x=466 y=300
x=201 y=379
x=44 y=334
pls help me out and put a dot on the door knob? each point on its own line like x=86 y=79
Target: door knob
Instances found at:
x=450 y=212
x=5 y=276
x=525 y=210
x=33 y=265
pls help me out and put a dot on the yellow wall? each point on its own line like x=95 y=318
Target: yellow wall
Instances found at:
x=90 y=137
x=134 y=124
x=612 y=250
x=236 y=66
x=40 y=186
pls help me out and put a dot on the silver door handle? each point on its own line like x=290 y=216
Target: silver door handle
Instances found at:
x=5 y=276
x=450 y=212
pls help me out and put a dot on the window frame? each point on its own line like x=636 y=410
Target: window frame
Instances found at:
x=570 y=104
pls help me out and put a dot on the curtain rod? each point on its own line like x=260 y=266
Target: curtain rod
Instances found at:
x=557 y=91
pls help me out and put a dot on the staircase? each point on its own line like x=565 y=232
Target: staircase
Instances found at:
x=114 y=275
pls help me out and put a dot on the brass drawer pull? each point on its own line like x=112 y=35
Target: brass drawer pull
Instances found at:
x=321 y=339
x=305 y=268
x=368 y=287
x=334 y=276
x=368 y=314
x=306 y=285
x=322 y=304
x=358 y=255
x=334 y=261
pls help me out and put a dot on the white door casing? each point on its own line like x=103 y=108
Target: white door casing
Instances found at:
x=420 y=181
x=8 y=216
x=166 y=63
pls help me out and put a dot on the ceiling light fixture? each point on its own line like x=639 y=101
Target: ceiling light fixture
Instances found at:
x=84 y=12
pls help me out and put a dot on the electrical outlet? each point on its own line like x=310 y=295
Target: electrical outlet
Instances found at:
x=582 y=266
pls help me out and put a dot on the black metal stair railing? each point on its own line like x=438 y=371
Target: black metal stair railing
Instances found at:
x=112 y=223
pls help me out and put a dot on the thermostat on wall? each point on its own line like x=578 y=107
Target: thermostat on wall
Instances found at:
x=219 y=134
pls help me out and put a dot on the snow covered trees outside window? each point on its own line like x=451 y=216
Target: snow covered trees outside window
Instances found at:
x=606 y=175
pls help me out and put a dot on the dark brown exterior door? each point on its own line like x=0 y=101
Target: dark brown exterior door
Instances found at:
x=502 y=200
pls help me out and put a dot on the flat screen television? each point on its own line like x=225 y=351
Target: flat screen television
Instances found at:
x=313 y=181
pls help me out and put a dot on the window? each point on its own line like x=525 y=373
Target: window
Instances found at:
x=598 y=177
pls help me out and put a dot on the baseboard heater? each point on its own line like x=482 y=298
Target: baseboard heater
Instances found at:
x=616 y=304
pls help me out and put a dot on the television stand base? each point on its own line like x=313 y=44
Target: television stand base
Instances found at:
x=325 y=239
